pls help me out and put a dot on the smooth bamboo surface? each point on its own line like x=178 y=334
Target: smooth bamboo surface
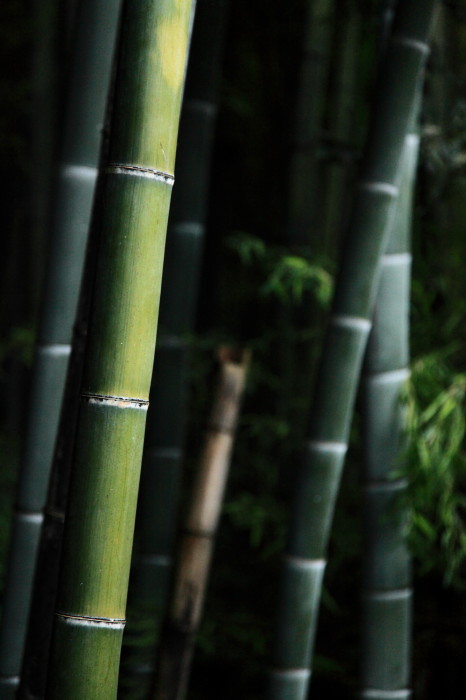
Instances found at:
x=89 y=77
x=133 y=210
x=158 y=503
x=163 y=452
x=199 y=530
x=322 y=458
x=343 y=138
x=387 y=595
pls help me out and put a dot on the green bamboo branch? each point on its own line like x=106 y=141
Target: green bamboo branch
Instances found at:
x=85 y=107
x=322 y=458
x=197 y=539
x=133 y=211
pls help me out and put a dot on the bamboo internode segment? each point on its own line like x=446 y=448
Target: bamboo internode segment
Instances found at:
x=132 y=212
x=344 y=346
x=199 y=529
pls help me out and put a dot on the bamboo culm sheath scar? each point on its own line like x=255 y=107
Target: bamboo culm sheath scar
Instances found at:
x=337 y=378
x=74 y=189
x=133 y=213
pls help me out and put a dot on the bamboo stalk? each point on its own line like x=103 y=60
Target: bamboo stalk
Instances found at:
x=89 y=78
x=163 y=450
x=305 y=163
x=322 y=458
x=199 y=530
x=387 y=594
x=136 y=190
x=386 y=638
x=39 y=631
x=45 y=90
x=343 y=140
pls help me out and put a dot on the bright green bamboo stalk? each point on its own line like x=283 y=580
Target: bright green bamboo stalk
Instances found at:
x=85 y=107
x=386 y=631
x=136 y=192
x=197 y=538
x=163 y=451
x=322 y=459
x=310 y=107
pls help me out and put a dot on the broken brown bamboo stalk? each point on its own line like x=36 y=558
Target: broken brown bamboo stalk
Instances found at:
x=198 y=532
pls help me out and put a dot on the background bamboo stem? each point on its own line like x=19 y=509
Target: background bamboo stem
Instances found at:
x=387 y=593
x=342 y=137
x=86 y=96
x=305 y=162
x=39 y=630
x=317 y=483
x=199 y=530
x=386 y=638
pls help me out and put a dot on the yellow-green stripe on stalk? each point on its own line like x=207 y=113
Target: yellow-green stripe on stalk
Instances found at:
x=89 y=78
x=337 y=378
x=133 y=212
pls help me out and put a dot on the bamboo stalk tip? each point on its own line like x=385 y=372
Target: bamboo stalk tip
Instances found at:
x=234 y=355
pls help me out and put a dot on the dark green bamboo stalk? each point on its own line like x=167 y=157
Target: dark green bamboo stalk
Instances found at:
x=39 y=631
x=88 y=83
x=310 y=107
x=45 y=81
x=163 y=450
x=342 y=138
x=322 y=459
x=199 y=530
x=387 y=593
x=136 y=192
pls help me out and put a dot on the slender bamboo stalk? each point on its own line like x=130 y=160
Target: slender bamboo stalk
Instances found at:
x=342 y=139
x=136 y=192
x=45 y=81
x=199 y=530
x=322 y=459
x=308 y=123
x=163 y=450
x=387 y=594
x=89 y=78
x=39 y=631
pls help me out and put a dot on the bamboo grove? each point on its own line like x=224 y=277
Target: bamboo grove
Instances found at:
x=264 y=498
